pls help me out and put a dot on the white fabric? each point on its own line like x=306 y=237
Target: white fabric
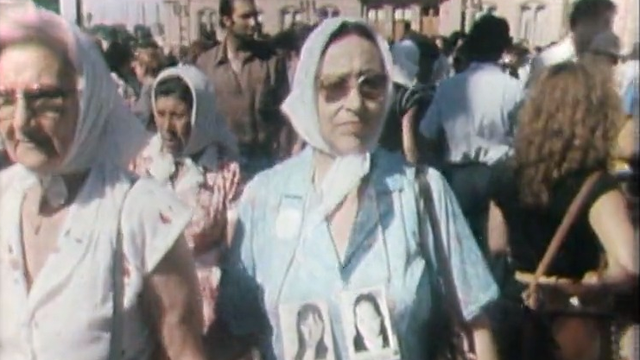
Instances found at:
x=406 y=61
x=476 y=109
x=563 y=51
x=347 y=171
x=209 y=131
x=67 y=313
x=106 y=130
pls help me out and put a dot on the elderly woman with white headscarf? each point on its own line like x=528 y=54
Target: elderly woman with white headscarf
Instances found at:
x=92 y=261
x=194 y=154
x=341 y=219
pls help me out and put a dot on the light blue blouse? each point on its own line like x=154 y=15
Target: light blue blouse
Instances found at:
x=270 y=266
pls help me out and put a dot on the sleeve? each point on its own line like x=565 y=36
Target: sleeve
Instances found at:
x=153 y=218
x=603 y=185
x=474 y=283
x=240 y=306
x=431 y=123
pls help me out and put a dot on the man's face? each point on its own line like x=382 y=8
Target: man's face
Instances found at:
x=586 y=30
x=243 y=23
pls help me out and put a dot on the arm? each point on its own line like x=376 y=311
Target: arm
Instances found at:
x=610 y=221
x=408 y=141
x=627 y=147
x=432 y=131
x=497 y=231
x=172 y=296
x=474 y=283
x=484 y=342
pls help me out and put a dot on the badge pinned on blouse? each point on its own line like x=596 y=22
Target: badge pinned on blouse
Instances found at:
x=288 y=223
x=368 y=329
x=306 y=331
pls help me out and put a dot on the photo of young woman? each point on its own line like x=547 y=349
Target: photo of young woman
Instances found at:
x=368 y=332
x=371 y=334
x=306 y=330
x=310 y=328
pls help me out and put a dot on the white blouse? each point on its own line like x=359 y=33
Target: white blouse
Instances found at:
x=68 y=313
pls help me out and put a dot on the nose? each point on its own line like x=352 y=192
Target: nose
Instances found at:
x=21 y=119
x=354 y=100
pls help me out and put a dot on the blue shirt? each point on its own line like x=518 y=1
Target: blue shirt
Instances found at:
x=272 y=270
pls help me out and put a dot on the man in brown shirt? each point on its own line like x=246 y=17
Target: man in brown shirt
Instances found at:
x=251 y=83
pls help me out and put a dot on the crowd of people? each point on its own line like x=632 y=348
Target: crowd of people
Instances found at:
x=322 y=193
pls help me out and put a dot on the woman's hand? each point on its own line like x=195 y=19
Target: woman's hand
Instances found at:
x=171 y=293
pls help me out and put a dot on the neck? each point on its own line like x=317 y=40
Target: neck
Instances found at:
x=321 y=164
x=234 y=45
x=73 y=183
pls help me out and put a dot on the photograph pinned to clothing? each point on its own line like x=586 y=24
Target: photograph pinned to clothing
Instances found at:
x=306 y=331
x=367 y=325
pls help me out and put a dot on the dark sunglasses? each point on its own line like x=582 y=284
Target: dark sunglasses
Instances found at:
x=370 y=86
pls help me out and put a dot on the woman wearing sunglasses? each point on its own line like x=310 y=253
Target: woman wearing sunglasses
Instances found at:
x=341 y=216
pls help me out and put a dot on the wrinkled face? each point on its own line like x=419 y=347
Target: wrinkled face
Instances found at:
x=368 y=321
x=173 y=120
x=352 y=91
x=244 y=22
x=39 y=106
x=586 y=30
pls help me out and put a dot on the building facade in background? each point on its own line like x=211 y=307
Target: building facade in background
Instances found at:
x=180 y=22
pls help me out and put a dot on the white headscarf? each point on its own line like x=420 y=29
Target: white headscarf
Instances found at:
x=209 y=131
x=347 y=171
x=106 y=130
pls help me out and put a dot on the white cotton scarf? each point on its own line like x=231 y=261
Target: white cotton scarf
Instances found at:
x=209 y=131
x=106 y=131
x=347 y=171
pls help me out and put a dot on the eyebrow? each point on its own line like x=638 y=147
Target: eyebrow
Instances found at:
x=362 y=72
x=37 y=91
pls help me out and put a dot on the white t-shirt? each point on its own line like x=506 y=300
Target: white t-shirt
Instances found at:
x=67 y=314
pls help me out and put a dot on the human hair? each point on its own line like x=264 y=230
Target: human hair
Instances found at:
x=358 y=340
x=151 y=59
x=589 y=9
x=488 y=39
x=406 y=25
x=568 y=125
x=352 y=28
x=305 y=313
x=118 y=56
x=225 y=9
x=174 y=86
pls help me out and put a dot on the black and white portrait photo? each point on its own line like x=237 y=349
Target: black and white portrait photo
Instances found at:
x=367 y=326
x=307 y=332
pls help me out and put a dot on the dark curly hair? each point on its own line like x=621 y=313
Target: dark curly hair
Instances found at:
x=568 y=125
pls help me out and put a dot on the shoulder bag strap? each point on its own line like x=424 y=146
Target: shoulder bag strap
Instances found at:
x=452 y=303
x=560 y=236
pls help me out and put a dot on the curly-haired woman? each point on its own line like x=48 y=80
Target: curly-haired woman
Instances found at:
x=566 y=133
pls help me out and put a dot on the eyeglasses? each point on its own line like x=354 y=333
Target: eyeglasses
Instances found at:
x=370 y=86
x=42 y=102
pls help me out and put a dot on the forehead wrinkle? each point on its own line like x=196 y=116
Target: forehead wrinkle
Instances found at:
x=359 y=61
x=47 y=69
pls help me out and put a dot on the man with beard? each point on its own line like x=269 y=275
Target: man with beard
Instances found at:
x=250 y=82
